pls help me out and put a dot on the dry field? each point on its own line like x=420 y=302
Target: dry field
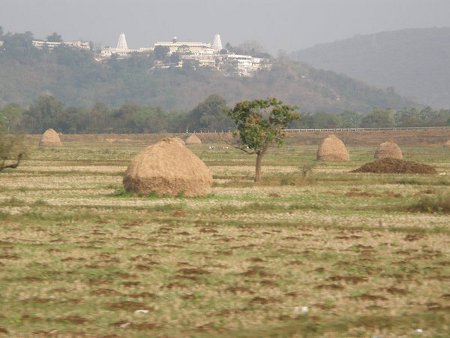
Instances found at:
x=367 y=254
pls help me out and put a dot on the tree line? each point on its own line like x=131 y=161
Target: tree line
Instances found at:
x=209 y=115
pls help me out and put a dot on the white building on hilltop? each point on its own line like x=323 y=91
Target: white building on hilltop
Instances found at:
x=209 y=55
x=217 y=43
x=41 y=44
x=121 y=50
x=185 y=47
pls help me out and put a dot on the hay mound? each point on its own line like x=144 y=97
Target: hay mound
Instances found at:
x=388 y=150
x=50 y=139
x=395 y=166
x=193 y=139
x=332 y=149
x=447 y=144
x=168 y=168
x=179 y=140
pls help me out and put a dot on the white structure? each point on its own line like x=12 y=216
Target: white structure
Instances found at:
x=186 y=47
x=121 y=50
x=122 y=43
x=41 y=44
x=217 y=43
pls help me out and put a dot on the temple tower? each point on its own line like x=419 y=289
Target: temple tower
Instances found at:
x=122 y=43
x=217 y=43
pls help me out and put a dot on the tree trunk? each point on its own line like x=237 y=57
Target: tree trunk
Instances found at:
x=259 y=156
x=13 y=166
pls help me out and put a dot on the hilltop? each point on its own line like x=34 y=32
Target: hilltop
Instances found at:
x=74 y=77
x=416 y=62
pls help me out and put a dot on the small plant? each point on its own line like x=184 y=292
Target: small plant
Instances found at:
x=432 y=204
x=122 y=193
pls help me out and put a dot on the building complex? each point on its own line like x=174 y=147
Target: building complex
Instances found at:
x=175 y=54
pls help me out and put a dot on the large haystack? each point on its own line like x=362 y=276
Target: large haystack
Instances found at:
x=332 y=149
x=50 y=139
x=388 y=150
x=179 y=140
x=193 y=139
x=168 y=168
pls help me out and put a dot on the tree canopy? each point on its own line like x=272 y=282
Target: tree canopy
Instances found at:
x=259 y=124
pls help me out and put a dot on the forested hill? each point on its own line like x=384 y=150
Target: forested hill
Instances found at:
x=416 y=62
x=76 y=79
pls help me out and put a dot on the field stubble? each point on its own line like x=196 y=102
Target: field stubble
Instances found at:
x=80 y=257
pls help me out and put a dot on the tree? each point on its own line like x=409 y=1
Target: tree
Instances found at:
x=10 y=116
x=210 y=114
x=161 y=52
x=378 y=118
x=46 y=112
x=55 y=37
x=11 y=148
x=261 y=123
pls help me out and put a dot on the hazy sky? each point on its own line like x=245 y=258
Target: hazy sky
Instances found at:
x=276 y=24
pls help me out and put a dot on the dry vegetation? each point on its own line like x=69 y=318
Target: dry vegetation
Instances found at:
x=368 y=254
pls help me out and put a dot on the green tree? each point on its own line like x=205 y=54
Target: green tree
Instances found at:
x=11 y=149
x=210 y=114
x=55 y=37
x=46 y=112
x=161 y=52
x=379 y=118
x=261 y=123
x=10 y=116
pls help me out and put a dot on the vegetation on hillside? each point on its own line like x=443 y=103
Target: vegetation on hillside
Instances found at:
x=416 y=62
x=75 y=78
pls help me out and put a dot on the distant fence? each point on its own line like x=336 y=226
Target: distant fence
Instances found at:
x=312 y=130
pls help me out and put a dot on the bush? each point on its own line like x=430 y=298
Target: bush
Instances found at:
x=432 y=204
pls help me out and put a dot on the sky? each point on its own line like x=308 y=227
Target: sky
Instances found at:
x=286 y=25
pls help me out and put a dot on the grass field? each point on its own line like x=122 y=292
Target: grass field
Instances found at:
x=367 y=254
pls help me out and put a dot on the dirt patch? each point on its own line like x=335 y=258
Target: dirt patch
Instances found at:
x=395 y=166
x=129 y=306
x=348 y=279
x=330 y=287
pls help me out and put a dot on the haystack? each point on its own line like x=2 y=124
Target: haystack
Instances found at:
x=193 y=139
x=447 y=144
x=388 y=150
x=332 y=149
x=50 y=139
x=179 y=140
x=168 y=168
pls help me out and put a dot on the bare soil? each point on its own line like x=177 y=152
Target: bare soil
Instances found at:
x=395 y=166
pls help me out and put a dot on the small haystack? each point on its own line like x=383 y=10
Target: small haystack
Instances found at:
x=168 y=168
x=332 y=149
x=388 y=149
x=395 y=166
x=50 y=139
x=447 y=144
x=193 y=139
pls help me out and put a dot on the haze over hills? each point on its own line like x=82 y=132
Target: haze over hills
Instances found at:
x=416 y=62
x=75 y=78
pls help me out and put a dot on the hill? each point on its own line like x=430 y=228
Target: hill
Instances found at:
x=416 y=62
x=76 y=79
